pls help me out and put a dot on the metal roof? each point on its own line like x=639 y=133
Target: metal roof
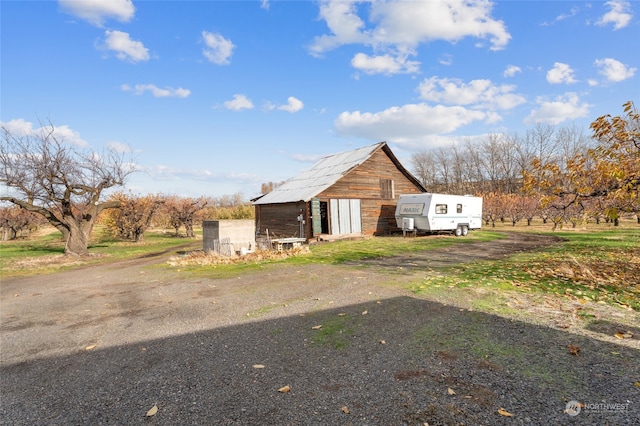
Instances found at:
x=327 y=171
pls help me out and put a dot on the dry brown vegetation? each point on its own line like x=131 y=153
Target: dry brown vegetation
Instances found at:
x=202 y=258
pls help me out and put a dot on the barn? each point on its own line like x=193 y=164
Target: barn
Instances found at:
x=353 y=192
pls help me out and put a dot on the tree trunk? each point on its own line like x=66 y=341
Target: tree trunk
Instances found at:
x=188 y=225
x=77 y=238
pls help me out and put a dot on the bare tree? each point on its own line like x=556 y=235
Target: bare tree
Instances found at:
x=424 y=168
x=443 y=161
x=64 y=183
x=473 y=168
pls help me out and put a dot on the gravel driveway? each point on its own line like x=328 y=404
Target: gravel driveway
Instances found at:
x=319 y=344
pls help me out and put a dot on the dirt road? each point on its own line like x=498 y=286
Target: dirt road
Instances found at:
x=105 y=343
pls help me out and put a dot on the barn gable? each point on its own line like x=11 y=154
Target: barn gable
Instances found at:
x=345 y=193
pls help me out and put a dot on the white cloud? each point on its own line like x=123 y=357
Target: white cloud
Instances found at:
x=384 y=64
x=125 y=48
x=168 y=173
x=560 y=73
x=96 y=12
x=238 y=103
x=563 y=108
x=20 y=127
x=446 y=59
x=619 y=14
x=293 y=105
x=405 y=124
x=343 y=22
x=306 y=158
x=264 y=4
x=511 y=70
x=397 y=27
x=119 y=146
x=573 y=12
x=157 y=92
x=479 y=93
x=614 y=70
x=218 y=50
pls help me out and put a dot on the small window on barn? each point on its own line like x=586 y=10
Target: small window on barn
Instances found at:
x=441 y=209
x=386 y=189
x=459 y=208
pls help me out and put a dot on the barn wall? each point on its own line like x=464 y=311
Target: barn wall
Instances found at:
x=280 y=219
x=363 y=182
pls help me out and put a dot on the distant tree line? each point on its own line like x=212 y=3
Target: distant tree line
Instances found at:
x=560 y=174
x=140 y=212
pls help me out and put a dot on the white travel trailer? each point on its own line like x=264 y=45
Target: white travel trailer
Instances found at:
x=430 y=212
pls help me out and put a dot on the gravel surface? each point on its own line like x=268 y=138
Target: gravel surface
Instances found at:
x=105 y=344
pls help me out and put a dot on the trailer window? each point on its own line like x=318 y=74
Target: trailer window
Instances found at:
x=459 y=208
x=441 y=209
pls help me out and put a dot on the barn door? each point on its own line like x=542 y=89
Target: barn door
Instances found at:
x=345 y=216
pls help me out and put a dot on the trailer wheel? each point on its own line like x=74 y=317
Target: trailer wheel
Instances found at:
x=465 y=230
x=458 y=231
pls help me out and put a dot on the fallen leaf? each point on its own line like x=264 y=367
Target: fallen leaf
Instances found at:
x=504 y=412
x=573 y=349
x=365 y=312
x=90 y=347
x=637 y=384
x=258 y=366
x=284 y=389
x=624 y=335
x=451 y=391
x=153 y=410
x=341 y=314
x=345 y=409
x=316 y=327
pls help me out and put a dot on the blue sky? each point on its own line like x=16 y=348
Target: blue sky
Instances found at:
x=216 y=97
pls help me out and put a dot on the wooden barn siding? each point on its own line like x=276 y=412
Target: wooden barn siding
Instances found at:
x=279 y=219
x=363 y=182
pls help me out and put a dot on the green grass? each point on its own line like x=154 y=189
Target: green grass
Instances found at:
x=335 y=332
x=356 y=250
x=27 y=257
x=341 y=252
x=601 y=266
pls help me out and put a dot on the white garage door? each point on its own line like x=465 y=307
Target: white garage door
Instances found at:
x=345 y=216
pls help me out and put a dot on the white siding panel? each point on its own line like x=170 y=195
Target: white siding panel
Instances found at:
x=356 y=218
x=345 y=217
